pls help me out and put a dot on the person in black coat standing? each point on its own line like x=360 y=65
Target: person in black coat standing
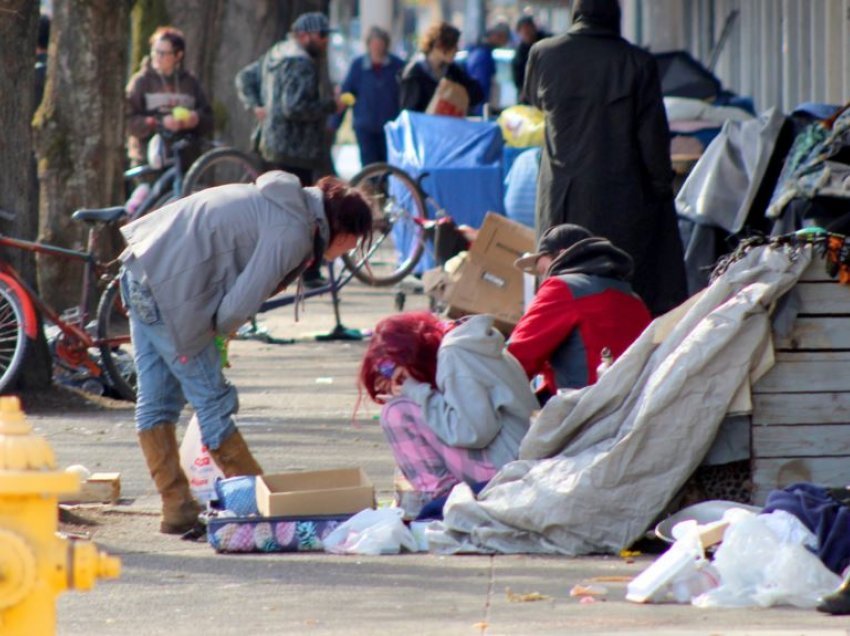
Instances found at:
x=606 y=161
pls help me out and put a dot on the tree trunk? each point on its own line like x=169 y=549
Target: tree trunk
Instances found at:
x=18 y=188
x=80 y=131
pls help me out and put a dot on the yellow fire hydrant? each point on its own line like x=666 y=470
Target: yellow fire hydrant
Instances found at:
x=36 y=564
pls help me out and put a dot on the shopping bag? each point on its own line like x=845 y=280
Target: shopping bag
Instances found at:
x=522 y=126
x=450 y=99
x=195 y=460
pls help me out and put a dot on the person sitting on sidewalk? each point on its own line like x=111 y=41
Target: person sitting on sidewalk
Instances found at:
x=584 y=305
x=456 y=404
x=202 y=266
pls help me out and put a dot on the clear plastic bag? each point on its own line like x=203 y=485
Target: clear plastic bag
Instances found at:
x=763 y=562
x=195 y=460
x=372 y=532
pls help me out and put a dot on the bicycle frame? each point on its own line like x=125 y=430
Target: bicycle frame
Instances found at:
x=32 y=301
x=170 y=178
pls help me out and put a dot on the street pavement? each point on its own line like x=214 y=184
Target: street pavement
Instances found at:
x=298 y=406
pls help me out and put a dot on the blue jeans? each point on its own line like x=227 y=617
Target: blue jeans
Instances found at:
x=167 y=379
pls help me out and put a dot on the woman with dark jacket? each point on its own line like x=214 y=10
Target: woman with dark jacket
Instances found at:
x=435 y=61
x=164 y=90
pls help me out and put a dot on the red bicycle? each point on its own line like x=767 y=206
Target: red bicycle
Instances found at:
x=102 y=347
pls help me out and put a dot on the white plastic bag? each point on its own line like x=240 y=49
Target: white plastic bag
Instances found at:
x=156 y=152
x=371 y=532
x=762 y=562
x=196 y=462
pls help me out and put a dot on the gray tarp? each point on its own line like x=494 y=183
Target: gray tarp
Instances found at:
x=619 y=450
x=720 y=190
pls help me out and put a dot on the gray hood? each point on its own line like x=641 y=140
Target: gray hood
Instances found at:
x=476 y=334
x=276 y=186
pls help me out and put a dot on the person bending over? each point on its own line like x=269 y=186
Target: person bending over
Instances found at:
x=456 y=404
x=201 y=267
x=584 y=305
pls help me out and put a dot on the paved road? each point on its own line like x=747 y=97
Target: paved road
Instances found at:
x=298 y=406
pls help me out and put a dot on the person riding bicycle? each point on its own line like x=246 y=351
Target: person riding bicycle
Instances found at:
x=200 y=267
x=164 y=92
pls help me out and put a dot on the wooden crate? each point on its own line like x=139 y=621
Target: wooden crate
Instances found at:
x=801 y=408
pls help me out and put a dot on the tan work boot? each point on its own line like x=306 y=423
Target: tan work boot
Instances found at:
x=234 y=458
x=179 y=509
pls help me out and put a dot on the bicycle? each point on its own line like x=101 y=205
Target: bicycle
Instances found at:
x=217 y=166
x=407 y=221
x=19 y=303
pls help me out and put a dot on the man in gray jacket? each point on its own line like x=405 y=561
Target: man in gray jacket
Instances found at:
x=201 y=267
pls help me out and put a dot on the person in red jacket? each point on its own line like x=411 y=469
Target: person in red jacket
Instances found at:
x=584 y=305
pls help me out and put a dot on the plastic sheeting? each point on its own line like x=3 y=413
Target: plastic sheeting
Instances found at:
x=721 y=188
x=601 y=463
x=463 y=160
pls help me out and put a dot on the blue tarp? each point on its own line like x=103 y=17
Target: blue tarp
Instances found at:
x=463 y=160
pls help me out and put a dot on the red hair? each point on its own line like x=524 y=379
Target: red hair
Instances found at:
x=408 y=340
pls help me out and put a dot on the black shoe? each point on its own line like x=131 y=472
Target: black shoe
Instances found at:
x=837 y=603
x=314 y=280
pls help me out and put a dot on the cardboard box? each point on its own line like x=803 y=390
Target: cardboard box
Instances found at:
x=488 y=282
x=341 y=491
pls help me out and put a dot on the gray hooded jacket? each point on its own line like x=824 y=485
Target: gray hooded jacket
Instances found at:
x=213 y=258
x=483 y=400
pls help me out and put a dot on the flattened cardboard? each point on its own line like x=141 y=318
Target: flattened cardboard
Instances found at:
x=340 y=491
x=488 y=281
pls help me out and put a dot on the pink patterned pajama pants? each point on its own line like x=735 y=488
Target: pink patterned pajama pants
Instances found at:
x=430 y=465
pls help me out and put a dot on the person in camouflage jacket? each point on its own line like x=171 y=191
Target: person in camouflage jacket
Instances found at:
x=291 y=102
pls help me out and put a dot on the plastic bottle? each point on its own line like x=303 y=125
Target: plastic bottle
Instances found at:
x=139 y=194
x=607 y=361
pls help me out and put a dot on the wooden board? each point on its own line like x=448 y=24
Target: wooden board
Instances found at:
x=816 y=270
x=99 y=488
x=823 y=297
x=807 y=372
x=807 y=440
x=819 y=333
x=800 y=408
x=771 y=474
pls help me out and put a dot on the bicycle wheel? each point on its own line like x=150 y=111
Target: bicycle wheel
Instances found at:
x=116 y=350
x=397 y=240
x=13 y=337
x=219 y=167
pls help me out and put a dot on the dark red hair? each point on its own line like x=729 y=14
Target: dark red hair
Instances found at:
x=347 y=208
x=408 y=340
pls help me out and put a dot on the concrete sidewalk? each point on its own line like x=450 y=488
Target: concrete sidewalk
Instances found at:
x=297 y=412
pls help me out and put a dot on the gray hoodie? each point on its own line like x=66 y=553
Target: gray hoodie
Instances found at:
x=483 y=400
x=211 y=259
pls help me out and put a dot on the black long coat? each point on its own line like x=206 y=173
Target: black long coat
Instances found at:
x=606 y=160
